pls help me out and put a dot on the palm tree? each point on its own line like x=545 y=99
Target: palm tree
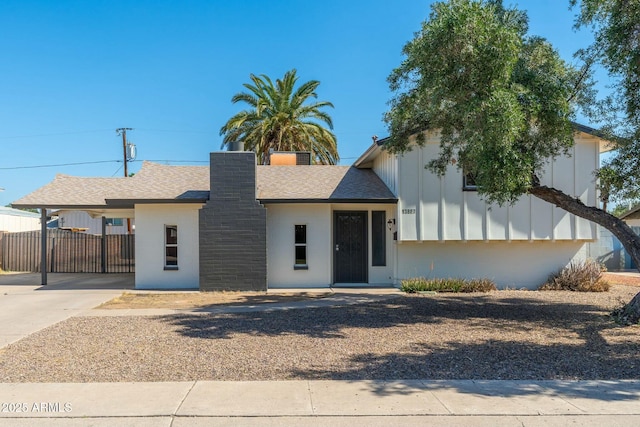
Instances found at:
x=281 y=119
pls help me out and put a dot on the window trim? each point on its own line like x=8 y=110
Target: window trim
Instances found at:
x=296 y=245
x=170 y=245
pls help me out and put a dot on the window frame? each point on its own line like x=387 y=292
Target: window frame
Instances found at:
x=304 y=245
x=468 y=182
x=378 y=239
x=115 y=222
x=168 y=245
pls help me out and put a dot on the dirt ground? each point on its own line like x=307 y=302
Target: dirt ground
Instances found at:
x=195 y=299
x=496 y=335
x=184 y=300
x=622 y=279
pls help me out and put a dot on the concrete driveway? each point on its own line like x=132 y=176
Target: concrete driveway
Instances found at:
x=27 y=307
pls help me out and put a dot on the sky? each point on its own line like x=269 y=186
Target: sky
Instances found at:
x=75 y=71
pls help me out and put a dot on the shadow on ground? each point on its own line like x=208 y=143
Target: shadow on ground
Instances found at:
x=70 y=281
x=490 y=339
x=609 y=391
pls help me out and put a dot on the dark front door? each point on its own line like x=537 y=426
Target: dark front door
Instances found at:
x=350 y=247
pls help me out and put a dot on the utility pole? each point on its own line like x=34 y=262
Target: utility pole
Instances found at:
x=123 y=132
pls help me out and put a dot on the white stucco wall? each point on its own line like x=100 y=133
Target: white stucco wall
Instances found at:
x=433 y=208
x=150 y=246
x=281 y=221
x=512 y=264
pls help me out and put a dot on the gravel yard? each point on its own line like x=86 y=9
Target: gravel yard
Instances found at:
x=499 y=335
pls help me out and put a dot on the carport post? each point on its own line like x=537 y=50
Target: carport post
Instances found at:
x=43 y=245
x=103 y=246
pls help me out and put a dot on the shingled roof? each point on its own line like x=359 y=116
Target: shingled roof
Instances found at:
x=156 y=183
x=320 y=183
x=153 y=183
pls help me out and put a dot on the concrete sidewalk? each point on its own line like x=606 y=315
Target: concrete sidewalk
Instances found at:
x=327 y=403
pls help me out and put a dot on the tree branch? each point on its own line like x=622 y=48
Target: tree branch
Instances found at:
x=624 y=233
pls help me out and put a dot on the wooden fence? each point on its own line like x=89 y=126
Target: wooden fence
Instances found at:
x=68 y=252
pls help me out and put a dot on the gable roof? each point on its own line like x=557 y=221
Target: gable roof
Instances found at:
x=374 y=150
x=156 y=183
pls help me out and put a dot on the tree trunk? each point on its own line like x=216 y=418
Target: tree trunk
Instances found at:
x=630 y=313
x=624 y=233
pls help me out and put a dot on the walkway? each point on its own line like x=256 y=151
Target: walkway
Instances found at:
x=324 y=403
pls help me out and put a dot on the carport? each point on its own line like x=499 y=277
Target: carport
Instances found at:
x=94 y=211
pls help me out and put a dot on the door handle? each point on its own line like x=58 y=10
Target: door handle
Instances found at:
x=337 y=247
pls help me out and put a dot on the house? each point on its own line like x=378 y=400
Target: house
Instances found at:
x=632 y=216
x=15 y=220
x=66 y=219
x=235 y=225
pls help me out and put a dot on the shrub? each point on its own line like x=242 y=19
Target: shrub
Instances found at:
x=585 y=276
x=421 y=284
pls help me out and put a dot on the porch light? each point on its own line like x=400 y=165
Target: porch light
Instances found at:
x=390 y=223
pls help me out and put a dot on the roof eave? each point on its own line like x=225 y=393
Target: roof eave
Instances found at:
x=630 y=212
x=370 y=154
x=56 y=206
x=378 y=201
x=130 y=203
x=110 y=204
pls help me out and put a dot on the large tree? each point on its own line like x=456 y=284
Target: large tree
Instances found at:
x=616 y=46
x=282 y=117
x=502 y=101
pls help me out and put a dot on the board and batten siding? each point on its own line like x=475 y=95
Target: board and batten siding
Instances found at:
x=432 y=208
x=385 y=165
x=150 y=246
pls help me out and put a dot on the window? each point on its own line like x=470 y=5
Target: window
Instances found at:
x=170 y=247
x=469 y=182
x=378 y=238
x=300 y=247
x=114 y=221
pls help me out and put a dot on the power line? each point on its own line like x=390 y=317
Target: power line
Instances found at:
x=175 y=131
x=59 y=165
x=119 y=161
x=172 y=161
x=118 y=170
x=54 y=134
